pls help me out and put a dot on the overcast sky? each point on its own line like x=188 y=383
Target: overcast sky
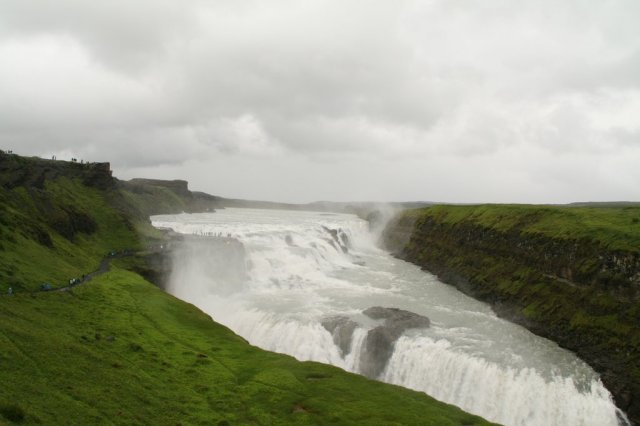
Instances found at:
x=303 y=100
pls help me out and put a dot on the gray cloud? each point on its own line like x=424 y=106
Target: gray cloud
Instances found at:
x=451 y=100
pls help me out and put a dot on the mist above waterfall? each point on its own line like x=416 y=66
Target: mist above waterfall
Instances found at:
x=315 y=286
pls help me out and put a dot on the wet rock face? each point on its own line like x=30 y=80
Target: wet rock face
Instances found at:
x=380 y=341
x=376 y=352
x=338 y=239
x=341 y=328
x=397 y=319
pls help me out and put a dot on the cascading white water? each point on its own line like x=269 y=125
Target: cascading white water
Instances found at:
x=275 y=276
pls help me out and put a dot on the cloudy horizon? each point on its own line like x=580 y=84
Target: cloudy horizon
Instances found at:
x=442 y=100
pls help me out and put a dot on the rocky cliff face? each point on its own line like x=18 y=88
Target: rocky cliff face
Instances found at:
x=577 y=292
x=34 y=172
x=155 y=196
x=179 y=187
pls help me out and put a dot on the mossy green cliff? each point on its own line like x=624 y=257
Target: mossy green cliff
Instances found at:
x=117 y=349
x=566 y=273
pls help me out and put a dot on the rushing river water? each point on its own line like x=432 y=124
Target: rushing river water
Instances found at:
x=275 y=276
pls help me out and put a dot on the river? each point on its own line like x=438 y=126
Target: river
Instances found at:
x=274 y=277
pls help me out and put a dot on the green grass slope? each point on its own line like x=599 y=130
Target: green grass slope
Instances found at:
x=118 y=350
x=57 y=233
x=616 y=228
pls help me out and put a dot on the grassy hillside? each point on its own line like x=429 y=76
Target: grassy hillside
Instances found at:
x=146 y=200
x=57 y=233
x=118 y=350
x=614 y=228
x=569 y=274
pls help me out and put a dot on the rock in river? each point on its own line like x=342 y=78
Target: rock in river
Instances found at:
x=380 y=341
x=341 y=328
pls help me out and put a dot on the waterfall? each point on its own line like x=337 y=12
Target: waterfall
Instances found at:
x=299 y=282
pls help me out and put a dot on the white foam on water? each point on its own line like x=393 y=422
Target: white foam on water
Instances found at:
x=503 y=394
x=274 y=276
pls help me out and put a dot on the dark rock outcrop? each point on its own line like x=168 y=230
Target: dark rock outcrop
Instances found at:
x=41 y=236
x=156 y=196
x=157 y=261
x=397 y=320
x=33 y=172
x=179 y=187
x=338 y=238
x=69 y=221
x=380 y=341
x=341 y=328
x=203 y=202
